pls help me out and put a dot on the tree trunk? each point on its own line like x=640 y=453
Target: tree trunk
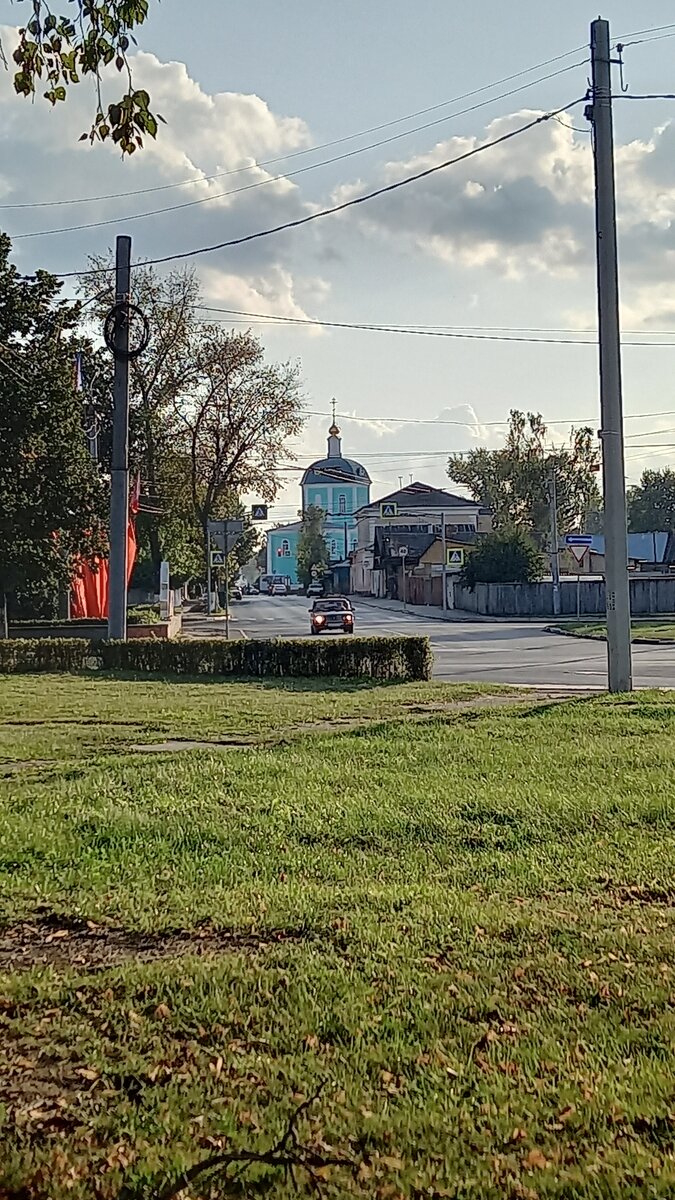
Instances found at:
x=4 y=623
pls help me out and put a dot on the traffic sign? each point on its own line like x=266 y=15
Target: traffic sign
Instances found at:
x=578 y=539
x=218 y=558
x=403 y=551
x=259 y=512
x=389 y=508
x=579 y=552
x=454 y=558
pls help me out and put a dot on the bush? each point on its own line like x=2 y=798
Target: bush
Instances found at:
x=143 y=614
x=397 y=658
x=506 y=556
x=44 y=654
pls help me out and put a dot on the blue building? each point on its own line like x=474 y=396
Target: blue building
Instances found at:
x=337 y=485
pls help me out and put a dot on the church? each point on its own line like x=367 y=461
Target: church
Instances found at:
x=337 y=485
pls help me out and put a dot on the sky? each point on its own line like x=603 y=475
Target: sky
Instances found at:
x=500 y=246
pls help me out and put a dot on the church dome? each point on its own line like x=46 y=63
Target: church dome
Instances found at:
x=335 y=468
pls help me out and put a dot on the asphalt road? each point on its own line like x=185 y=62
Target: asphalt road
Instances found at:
x=498 y=652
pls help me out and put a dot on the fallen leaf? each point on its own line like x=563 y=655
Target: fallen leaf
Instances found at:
x=518 y=1135
x=162 y=1012
x=535 y=1159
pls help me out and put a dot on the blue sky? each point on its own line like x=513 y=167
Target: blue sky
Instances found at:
x=508 y=242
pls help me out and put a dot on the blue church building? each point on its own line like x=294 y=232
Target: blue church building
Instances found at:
x=337 y=485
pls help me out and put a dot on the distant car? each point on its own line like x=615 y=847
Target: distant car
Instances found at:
x=236 y=593
x=315 y=589
x=331 y=616
x=278 y=589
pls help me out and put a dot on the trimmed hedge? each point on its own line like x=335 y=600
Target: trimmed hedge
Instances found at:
x=381 y=658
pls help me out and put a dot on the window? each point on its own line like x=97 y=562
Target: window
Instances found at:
x=342 y=504
x=333 y=548
x=353 y=543
x=286 y=548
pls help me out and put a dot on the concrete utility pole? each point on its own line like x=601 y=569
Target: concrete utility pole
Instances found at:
x=611 y=403
x=555 y=555
x=119 y=494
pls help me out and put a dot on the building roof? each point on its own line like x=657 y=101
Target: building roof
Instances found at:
x=290 y=528
x=643 y=547
x=388 y=544
x=336 y=470
x=421 y=496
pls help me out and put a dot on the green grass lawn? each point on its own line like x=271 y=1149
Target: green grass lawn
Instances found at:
x=458 y=920
x=661 y=630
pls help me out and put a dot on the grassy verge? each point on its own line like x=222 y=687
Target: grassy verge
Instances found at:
x=652 y=630
x=461 y=925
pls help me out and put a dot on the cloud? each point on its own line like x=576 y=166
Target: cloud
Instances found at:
x=206 y=134
x=518 y=208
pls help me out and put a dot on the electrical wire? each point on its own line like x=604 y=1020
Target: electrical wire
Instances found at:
x=321 y=146
x=336 y=208
x=277 y=318
x=578 y=422
x=422 y=331
x=654 y=96
x=289 y=174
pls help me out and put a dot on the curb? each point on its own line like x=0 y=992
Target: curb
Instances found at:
x=591 y=637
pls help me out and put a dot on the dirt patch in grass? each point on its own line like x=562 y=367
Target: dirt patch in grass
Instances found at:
x=51 y=940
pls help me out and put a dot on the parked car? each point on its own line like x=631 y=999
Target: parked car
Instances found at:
x=236 y=592
x=315 y=589
x=331 y=616
x=278 y=589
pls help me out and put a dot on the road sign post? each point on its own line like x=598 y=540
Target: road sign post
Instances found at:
x=403 y=554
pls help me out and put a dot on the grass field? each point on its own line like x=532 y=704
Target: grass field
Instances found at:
x=650 y=629
x=459 y=920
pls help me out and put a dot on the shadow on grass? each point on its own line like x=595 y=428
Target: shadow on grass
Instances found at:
x=317 y=683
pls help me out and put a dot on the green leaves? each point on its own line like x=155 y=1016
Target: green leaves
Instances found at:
x=56 y=51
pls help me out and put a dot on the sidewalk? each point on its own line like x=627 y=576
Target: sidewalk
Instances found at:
x=430 y=612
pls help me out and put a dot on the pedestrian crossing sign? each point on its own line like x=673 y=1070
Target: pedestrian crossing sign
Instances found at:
x=217 y=558
x=389 y=508
x=259 y=512
x=455 y=559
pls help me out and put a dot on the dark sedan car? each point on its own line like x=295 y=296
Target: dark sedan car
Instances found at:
x=331 y=616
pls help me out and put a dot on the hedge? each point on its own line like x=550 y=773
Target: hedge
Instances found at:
x=381 y=658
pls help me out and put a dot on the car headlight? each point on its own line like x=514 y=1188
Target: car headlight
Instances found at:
x=348 y=618
x=319 y=620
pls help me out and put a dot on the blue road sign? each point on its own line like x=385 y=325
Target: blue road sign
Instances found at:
x=578 y=539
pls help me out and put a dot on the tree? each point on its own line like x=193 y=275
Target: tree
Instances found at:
x=312 y=548
x=52 y=497
x=235 y=422
x=651 y=505
x=59 y=52
x=514 y=481
x=505 y=556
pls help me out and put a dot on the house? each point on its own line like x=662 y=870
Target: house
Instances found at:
x=420 y=512
x=647 y=552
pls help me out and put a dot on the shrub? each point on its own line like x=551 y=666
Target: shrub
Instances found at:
x=44 y=654
x=143 y=614
x=396 y=658
x=505 y=556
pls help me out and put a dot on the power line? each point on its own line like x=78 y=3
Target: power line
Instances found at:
x=336 y=208
x=325 y=145
x=289 y=174
x=422 y=331
x=578 y=422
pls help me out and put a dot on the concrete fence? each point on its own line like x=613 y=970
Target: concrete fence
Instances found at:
x=648 y=596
